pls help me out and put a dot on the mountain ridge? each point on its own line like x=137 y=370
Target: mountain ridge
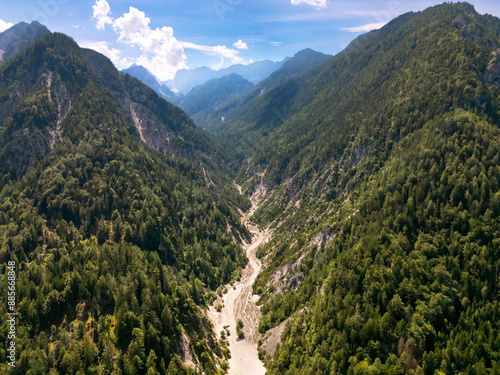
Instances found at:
x=133 y=236
x=186 y=79
x=19 y=37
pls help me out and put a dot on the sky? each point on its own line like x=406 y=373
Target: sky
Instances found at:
x=168 y=35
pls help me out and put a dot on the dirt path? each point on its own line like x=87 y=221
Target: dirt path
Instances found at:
x=239 y=303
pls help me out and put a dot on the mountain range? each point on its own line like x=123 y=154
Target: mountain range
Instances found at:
x=18 y=37
x=186 y=79
x=374 y=172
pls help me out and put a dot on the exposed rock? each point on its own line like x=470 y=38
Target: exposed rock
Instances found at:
x=463 y=24
x=188 y=357
x=288 y=277
x=492 y=73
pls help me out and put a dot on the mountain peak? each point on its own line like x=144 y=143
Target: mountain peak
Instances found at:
x=19 y=37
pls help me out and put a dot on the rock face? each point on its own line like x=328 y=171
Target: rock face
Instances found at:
x=38 y=101
x=492 y=74
x=19 y=37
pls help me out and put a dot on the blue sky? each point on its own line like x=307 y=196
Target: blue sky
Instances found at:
x=167 y=35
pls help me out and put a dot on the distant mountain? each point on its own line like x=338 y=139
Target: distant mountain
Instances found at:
x=300 y=62
x=18 y=37
x=186 y=79
x=148 y=78
x=306 y=64
x=205 y=99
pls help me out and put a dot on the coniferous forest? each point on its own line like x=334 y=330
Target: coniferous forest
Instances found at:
x=376 y=170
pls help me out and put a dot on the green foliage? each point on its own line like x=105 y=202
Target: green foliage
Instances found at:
x=384 y=181
x=411 y=280
x=117 y=245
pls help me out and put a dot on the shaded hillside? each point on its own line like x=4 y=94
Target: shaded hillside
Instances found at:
x=117 y=246
x=382 y=184
x=239 y=120
x=204 y=100
x=19 y=37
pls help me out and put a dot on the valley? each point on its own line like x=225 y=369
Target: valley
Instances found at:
x=325 y=214
x=239 y=303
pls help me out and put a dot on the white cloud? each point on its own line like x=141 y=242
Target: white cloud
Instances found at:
x=276 y=44
x=222 y=51
x=240 y=45
x=5 y=25
x=365 y=28
x=161 y=52
x=111 y=53
x=101 y=14
x=316 y=3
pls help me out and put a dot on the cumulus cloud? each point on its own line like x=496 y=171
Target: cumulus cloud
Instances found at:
x=365 y=28
x=240 y=45
x=222 y=51
x=316 y=3
x=161 y=52
x=111 y=53
x=5 y=25
x=101 y=14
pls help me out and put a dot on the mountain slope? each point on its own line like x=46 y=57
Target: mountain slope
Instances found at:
x=206 y=99
x=398 y=280
x=36 y=100
x=19 y=37
x=377 y=91
x=146 y=77
x=382 y=188
x=117 y=246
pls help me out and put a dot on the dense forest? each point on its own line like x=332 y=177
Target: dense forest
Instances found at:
x=117 y=246
x=377 y=170
x=383 y=190
x=409 y=284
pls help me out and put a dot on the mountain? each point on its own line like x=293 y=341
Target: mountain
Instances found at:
x=205 y=99
x=374 y=187
x=227 y=120
x=186 y=79
x=148 y=78
x=301 y=61
x=18 y=37
x=118 y=216
x=32 y=118
x=378 y=174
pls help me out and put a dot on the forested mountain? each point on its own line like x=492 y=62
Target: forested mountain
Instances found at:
x=378 y=175
x=19 y=37
x=202 y=101
x=120 y=224
x=146 y=77
x=382 y=177
x=39 y=91
x=238 y=120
